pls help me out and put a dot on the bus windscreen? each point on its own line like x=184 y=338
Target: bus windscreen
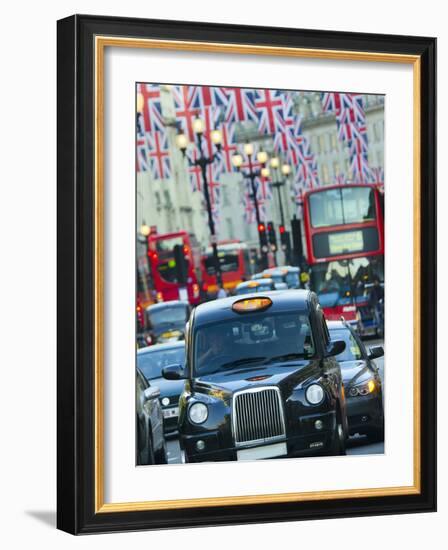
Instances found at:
x=342 y=206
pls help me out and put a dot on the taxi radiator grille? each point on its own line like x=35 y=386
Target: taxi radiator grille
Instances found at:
x=258 y=416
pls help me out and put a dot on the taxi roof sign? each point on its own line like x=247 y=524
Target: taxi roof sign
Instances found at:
x=247 y=305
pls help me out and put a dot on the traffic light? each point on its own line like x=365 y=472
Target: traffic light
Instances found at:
x=285 y=241
x=272 y=237
x=181 y=264
x=296 y=228
x=262 y=234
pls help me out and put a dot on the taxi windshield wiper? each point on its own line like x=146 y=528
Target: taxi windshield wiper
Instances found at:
x=243 y=361
x=285 y=357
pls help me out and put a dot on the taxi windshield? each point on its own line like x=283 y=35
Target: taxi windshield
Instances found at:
x=292 y=278
x=352 y=351
x=167 y=315
x=152 y=363
x=252 y=339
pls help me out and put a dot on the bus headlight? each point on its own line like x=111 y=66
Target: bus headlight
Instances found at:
x=314 y=394
x=198 y=413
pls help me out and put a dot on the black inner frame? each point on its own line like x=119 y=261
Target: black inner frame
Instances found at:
x=75 y=381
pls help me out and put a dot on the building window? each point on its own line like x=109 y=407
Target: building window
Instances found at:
x=325 y=174
x=322 y=144
x=378 y=130
x=225 y=195
x=334 y=142
x=230 y=228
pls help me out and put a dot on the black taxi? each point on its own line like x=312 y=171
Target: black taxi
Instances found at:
x=262 y=380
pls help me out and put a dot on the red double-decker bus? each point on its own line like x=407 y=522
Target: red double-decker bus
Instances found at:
x=175 y=266
x=234 y=262
x=344 y=233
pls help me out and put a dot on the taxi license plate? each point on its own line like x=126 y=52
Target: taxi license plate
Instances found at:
x=169 y=413
x=268 y=451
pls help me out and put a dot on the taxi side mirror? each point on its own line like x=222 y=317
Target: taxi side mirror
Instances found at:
x=151 y=392
x=335 y=348
x=375 y=352
x=173 y=372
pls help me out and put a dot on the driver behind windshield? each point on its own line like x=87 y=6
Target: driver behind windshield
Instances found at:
x=212 y=345
x=257 y=340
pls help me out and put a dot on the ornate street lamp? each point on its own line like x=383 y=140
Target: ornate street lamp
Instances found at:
x=203 y=162
x=279 y=182
x=285 y=170
x=251 y=174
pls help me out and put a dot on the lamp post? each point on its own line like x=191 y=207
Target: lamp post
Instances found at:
x=251 y=175
x=142 y=236
x=279 y=182
x=203 y=162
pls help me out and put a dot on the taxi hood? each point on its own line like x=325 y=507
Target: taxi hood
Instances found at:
x=286 y=375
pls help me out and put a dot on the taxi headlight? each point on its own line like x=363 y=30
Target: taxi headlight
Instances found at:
x=198 y=413
x=314 y=394
x=363 y=389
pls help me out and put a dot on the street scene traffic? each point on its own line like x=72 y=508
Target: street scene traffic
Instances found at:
x=260 y=274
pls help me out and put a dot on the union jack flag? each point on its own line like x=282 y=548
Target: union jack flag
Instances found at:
x=228 y=146
x=339 y=179
x=187 y=106
x=270 y=106
x=377 y=174
x=210 y=117
x=151 y=119
x=360 y=170
x=213 y=96
x=249 y=208
x=214 y=185
x=240 y=105
x=141 y=157
x=297 y=196
x=262 y=209
x=159 y=156
x=263 y=187
x=336 y=102
x=195 y=174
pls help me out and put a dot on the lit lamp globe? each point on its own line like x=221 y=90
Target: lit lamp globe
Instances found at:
x=140 y=102
x=237 y=161
x=145 y=230
x=262 y=157
x=286 y=169
x=265 y=172
x=275 y=162
x=248 y=149
x=182 y=142
x=198 y=125
x=216 y=136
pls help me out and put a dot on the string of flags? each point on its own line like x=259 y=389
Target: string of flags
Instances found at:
x=272 y=112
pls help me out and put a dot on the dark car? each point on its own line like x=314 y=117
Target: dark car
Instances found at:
x=165 y=321
x=261 y=380
x=362 y=382
x=150 y=440
x=151 y=360
x=259 y=285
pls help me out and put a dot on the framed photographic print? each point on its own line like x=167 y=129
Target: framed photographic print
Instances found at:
x=247 y=274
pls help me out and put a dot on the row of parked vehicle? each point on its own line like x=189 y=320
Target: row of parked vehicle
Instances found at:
x=258 y=376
